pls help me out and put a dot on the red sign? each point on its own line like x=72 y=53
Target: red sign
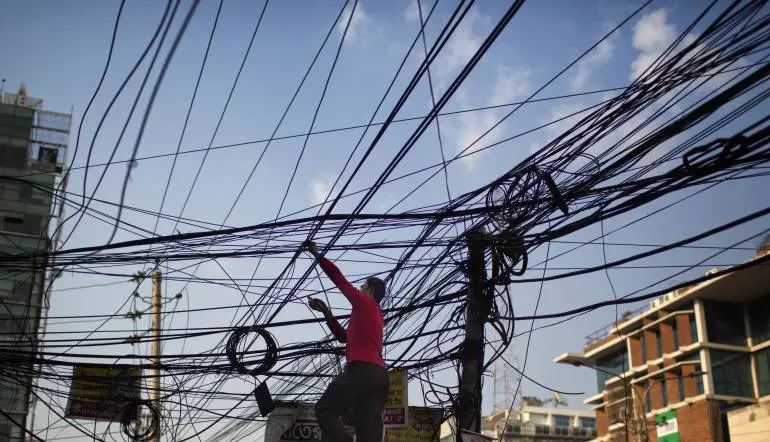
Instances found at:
x=394 y=416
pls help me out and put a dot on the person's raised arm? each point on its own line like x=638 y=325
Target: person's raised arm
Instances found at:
x=336 y=328
x=355 y=297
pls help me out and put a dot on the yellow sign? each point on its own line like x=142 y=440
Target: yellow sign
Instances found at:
x=103 y=392
x=395 y=413
x=424 y=426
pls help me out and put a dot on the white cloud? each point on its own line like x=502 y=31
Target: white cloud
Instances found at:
x=472 y=126
x=565 y=111
x=461 y=45
x=320 y=187
x=411 y=13
x=652 y=35
x=359 y=24
x=510 y=84
x=561 y=112
x=600 y=55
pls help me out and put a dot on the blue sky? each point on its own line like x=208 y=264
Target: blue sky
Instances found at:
x=59 y=50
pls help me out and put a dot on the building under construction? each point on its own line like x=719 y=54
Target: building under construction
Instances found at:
x=33 y=147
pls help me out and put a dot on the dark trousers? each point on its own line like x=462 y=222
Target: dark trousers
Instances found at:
x=362 y=387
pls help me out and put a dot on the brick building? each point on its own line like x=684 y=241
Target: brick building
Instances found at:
x=694 y=362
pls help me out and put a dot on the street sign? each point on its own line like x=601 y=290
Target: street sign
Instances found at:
x=667 y=427
x=295 y=423
x=424 y=426
x=103 y=392
x=396 y=408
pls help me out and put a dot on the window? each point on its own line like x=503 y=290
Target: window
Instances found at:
x=644 y=348
x=664 y=392
x=725 y=323
x=675 y=330
x=514 y=427
x=682 y=395
x=610 y=366
x=699 y=384
x=47 y=155
x=698 y=377
x=759 y=310
x=37 y=196
x=25 y=191
x=659 y=339
x=10 y=190
x=12 y=394
x=12 y=432
x=562 y=421
x=763 y=371
x=732 y=373
x=693 y=328
x=588 y=422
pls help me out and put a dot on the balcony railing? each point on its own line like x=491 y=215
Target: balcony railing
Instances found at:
x=551 y=432
x=609 y=329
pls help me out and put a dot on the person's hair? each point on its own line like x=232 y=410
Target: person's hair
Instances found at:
x=377 y=287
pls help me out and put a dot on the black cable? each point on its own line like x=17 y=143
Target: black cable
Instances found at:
x=148 y=110
x=149 y=432
x=269 y=359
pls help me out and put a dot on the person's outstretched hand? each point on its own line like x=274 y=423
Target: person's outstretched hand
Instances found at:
x=318 y=305
x=311 y=247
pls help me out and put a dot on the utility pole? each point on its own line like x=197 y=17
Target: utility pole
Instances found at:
x=155 y=331
x=469 y=407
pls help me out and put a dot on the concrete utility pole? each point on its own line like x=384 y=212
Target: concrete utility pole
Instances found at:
x=155 y=331
x=469 y=410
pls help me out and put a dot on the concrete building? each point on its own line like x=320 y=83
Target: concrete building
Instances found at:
x=694 y=363
x=32 y=153
x=530 y=424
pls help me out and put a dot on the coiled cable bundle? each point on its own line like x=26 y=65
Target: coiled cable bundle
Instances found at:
x=511 y=202
x=515 y=198
x=508 y=252
x=271 y=351
x=140 y=433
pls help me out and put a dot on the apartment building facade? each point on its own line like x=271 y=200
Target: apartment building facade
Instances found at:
x=694 y=365
x=534 y=424
x=33 y=143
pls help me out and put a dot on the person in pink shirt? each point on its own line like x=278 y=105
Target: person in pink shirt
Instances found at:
x=363 y=384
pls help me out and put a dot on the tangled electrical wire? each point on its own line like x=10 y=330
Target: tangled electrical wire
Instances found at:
x=669 y=132
x=267 y=361
x=133 y=412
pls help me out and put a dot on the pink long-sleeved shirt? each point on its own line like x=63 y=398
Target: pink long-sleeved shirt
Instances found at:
x=363 y=337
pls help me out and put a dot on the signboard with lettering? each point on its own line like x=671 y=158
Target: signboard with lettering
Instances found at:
x=295 y=423
x=396 y=408
x=424 y=426
x=103 y=392
x=667 y=427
